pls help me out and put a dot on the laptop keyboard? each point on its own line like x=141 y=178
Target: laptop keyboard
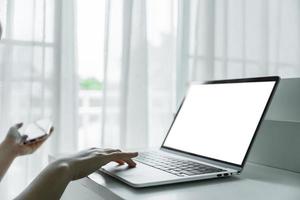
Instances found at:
x=178 y=167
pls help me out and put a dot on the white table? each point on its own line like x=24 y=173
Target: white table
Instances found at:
x=255 y=182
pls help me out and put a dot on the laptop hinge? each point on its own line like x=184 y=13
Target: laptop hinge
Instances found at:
x=201 y=159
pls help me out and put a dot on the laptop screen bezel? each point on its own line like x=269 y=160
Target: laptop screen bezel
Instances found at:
x=275 y=79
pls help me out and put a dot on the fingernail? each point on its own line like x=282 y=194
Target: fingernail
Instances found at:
x=133 y=165
x=135 y=153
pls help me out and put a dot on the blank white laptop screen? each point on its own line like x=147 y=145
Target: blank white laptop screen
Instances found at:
x=219 y=120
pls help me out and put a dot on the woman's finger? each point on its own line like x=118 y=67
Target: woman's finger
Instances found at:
x=130 y=162
x=19 y=125
x=122 y=155
x=112 y=150
x=36 y=142
x=120 y=162
x=35 y=145
x=51 y=130
x=104 y=151
x=126 y=157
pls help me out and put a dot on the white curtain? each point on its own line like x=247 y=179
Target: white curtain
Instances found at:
x=139 y=72
x=37 y=79
x=238 y=38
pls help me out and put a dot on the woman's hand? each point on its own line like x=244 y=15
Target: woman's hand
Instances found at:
x=16 y=142
x=13 y=145
x=86 y=162
x=53 y=180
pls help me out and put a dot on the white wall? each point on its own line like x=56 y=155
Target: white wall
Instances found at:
x=278 y=140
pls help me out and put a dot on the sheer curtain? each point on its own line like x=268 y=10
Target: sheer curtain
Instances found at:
x=238 y=38
x=139 y=72
x=37 y=79
x=125 y=119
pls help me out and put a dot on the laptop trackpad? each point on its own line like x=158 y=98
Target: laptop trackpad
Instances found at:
x=139 y=174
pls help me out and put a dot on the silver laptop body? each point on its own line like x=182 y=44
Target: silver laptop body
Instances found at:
x=216 y=143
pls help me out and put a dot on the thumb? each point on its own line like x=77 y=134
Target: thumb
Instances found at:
x=19 y=125
x=23 y=139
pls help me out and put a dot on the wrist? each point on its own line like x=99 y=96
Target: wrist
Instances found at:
x=9 y=148
x=62 y=169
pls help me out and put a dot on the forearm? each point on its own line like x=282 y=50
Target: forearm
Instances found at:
x=7 y=156
x=49 y=184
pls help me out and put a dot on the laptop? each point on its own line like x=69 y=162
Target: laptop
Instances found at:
x=210 y=136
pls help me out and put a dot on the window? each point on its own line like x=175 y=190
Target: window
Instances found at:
x=93 y=25
x=90 y=40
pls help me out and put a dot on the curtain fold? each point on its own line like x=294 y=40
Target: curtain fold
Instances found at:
x=125 y=115
x=68 y=78
x=139 y=72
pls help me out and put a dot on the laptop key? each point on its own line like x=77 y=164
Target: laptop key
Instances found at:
x=175 y=166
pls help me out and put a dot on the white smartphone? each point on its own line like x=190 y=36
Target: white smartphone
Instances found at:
x=37 y=130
